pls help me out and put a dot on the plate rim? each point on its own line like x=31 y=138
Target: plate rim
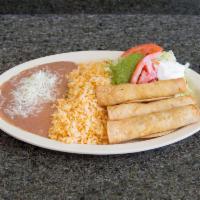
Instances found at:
x=131 y=147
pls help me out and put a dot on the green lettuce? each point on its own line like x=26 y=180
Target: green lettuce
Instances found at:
x=167 y=56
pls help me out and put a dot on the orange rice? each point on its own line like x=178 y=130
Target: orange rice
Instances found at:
x=78 y=118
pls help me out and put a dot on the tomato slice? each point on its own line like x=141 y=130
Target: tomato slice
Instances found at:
x=144 y=49
x=146 y=77
x=145 y=71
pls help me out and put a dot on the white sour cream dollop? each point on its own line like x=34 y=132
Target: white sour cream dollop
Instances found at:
x=171 y=70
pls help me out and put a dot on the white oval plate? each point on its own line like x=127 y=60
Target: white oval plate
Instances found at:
x=131 y=147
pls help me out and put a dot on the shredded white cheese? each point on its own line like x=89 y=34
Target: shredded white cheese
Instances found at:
x=31 y=92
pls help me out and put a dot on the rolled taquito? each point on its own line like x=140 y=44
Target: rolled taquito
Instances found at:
x=134 y=109
x=139 y=126
x=155 y=135
x=115 y=94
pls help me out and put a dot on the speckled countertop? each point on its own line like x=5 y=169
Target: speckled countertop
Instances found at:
x=184 y=7
x=28 y=172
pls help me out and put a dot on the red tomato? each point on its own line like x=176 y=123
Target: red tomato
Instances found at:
x=145 y=71
x=144 y=49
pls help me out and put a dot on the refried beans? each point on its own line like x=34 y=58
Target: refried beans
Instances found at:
x=39 y=122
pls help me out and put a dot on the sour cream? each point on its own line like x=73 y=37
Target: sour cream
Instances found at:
x=171 y=70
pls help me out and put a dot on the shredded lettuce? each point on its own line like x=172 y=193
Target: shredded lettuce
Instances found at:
x=167 y=56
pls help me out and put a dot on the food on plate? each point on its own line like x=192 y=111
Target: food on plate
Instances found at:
x=123 y=69
x=146 y=70
x=158 y=66
x=27 y=99
x=79 y=118
x=108 y=95
x=142 y=94
x=144 y=49
x=153 y=65
x=155 y=135
x=134 y=109
x=139 y=126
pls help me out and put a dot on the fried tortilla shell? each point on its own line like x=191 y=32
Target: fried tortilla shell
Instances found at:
x=155 y=135
x=134 y=109
x=116 y=94
x=139 y=126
